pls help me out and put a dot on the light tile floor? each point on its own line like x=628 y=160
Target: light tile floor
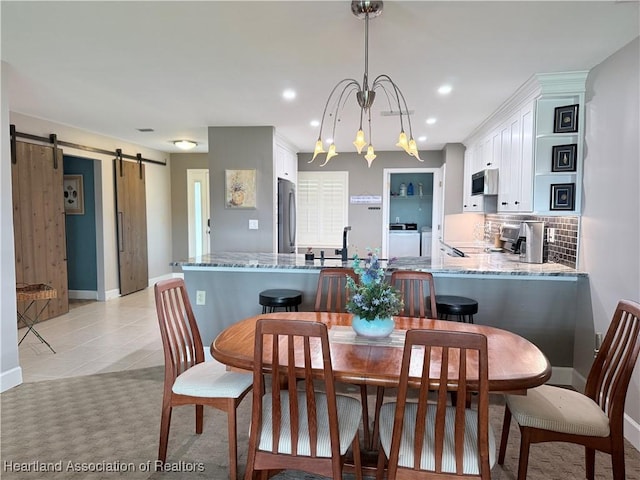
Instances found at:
x=119 y=334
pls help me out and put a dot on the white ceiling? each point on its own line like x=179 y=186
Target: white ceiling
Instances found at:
x=179 y=67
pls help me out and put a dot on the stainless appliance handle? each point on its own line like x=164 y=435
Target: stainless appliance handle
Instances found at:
x=292 y=219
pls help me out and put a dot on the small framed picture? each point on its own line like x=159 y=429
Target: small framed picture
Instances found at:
x=240 y=189
x=566 y=119
x=73 y=193
x=563 y=196
x=564 y=158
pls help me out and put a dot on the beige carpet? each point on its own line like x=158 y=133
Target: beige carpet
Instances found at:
x=106 y=426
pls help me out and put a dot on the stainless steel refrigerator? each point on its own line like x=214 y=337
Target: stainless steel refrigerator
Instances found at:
x=286 y=216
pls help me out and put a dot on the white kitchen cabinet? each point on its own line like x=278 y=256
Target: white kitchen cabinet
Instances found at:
x=519 y=139
x=566 y=178
x=472 y=203
x=286 y=163
x=516 y=168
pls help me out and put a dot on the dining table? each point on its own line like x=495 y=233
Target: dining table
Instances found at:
x=515 y=364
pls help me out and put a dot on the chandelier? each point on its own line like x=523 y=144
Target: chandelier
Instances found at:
x=365 y=96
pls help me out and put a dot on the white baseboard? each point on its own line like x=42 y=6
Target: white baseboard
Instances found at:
x=10 y=378
x=632 y=431
x=111 y=294
x=83 y=294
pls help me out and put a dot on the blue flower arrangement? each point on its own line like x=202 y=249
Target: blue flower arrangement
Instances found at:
x=373 y=297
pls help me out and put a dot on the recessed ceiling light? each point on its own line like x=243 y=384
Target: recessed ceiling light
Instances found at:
x=185 y=144
x=329 y=141
x=445 y=89
x=431 y=121
x=422 y=139
x=314 y=123
x=289 y=94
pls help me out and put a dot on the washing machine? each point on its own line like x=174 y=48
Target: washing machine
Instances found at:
x=425 y=242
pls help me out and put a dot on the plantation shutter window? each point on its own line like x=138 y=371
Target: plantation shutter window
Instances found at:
x=323 y=207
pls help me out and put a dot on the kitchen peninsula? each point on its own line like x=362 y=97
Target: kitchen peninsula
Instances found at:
x=536 y=301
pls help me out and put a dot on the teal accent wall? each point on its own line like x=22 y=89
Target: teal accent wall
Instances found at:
x=81 y=230
x=412 y=208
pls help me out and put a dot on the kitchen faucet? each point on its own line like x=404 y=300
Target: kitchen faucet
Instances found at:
x=345 y=255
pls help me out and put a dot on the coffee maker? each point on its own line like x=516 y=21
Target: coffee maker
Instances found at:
x=531 y=241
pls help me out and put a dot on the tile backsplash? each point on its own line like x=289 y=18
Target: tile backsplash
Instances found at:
x=565 y=248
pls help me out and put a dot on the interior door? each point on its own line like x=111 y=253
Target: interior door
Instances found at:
x=39 y=223
x=198 y=211
x=131 y=213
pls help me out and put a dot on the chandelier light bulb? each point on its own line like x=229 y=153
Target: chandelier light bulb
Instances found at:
x=332 y=153
x=413 y=150
x=360 y=142
x=370 y=156
x=318 y=150
x=403 y=142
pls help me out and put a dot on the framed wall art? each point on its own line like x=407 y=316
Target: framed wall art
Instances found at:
x=566 y=119
x=564 y=158
x=563 y=196
x=240 y=189
x=73 y=193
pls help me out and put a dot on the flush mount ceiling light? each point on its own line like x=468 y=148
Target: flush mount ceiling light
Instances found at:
x=185 y=144
x=365 y=96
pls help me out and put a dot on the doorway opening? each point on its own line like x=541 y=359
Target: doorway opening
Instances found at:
x=411 y=211
x=198 y=212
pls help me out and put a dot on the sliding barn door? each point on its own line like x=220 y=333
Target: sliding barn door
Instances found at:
x=39 y=223
x=131 y=211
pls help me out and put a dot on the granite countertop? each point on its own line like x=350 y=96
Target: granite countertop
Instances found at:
x=493 y=263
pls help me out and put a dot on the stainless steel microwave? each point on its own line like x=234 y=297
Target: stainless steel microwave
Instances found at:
x=485 y=182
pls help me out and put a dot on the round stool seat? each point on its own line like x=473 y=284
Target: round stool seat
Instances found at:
x=280 y=298
x=462 y=307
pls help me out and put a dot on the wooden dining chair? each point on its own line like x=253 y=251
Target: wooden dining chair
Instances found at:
x=332 y=294
x=418 y=293
x=415 y=288
x=427 y=440
x=188 y=379
x=593 y=419
x=296 y=429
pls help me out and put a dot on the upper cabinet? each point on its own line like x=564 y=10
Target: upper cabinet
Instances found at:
x=515 y=175
x=535 y=139
x=286 y=162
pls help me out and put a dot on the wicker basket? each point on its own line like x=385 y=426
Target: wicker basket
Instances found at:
x=35 y=291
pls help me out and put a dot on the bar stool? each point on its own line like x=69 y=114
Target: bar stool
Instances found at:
x=280 y=298
x=462 y=307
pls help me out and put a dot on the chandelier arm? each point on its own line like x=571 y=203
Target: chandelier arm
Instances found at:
x=379 y=81
x=349 y=81
x=353 y=84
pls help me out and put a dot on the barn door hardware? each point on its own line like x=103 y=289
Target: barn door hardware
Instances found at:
x=61 y=143
x=139 y=157
x=12 y=134
x=53 y=138
x=119 y=158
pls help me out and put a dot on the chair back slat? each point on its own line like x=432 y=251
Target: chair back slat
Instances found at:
x=287 y=371
x=611 y=371
x=181 y=339
x=418 y=292
x=332 y=293
x=461 y=399
x=451 y=361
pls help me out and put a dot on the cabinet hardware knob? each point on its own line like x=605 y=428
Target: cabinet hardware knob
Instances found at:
x=517 y=202
x=504 y=203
